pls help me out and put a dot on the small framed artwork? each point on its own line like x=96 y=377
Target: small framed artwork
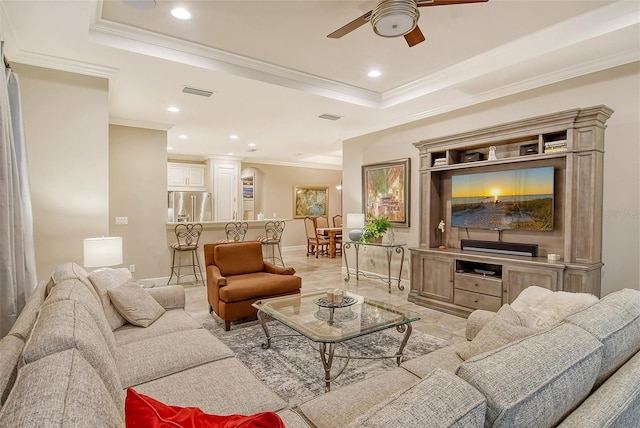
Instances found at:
x=386 y=191
x=310 y=201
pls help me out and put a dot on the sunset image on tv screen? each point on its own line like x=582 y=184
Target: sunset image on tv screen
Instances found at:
x=515 y=199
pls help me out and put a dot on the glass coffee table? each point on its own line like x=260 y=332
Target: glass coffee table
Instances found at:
x=330 y=324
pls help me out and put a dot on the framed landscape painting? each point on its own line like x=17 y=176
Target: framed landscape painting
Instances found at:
x=386 y=191
x=310 y=201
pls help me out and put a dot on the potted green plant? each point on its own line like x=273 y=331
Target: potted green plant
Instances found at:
x=375 y=229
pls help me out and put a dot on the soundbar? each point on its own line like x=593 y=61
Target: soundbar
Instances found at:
x=496 y=247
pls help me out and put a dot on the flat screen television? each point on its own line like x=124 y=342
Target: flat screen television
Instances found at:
x=500 y=200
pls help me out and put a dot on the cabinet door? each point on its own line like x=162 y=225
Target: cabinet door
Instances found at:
x=517 y=278
x=437 y=278
x=176 y=176
x=195 y=176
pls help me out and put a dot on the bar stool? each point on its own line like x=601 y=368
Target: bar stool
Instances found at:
x=235 y=231
x=271 y=241
x=187 y=237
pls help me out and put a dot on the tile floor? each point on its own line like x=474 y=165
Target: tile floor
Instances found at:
x=327 y=273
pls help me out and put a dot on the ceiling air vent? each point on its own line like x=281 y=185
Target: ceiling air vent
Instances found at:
x=195 y=91
x=330 y=116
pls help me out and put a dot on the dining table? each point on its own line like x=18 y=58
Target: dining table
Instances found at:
x=333 y=233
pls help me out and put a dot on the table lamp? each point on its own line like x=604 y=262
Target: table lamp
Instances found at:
x=356 y=222
x=103 y=252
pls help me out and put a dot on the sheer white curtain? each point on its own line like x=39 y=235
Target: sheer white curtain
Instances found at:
x=17 y=256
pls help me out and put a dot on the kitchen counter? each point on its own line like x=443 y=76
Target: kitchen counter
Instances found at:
x=212 y=225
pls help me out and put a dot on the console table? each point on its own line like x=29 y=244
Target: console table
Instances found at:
x=390 y=250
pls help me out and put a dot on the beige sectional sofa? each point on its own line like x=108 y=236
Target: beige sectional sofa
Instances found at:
x=580 y=373
x=70 y=357
x=63 y=364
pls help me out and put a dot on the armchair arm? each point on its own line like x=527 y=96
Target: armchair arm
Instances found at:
x=214 y=276
x=169 y=296
x=271 y=268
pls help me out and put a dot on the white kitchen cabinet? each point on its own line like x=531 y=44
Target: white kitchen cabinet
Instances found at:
x=184 y=176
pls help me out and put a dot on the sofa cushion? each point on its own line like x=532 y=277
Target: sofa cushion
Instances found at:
x=104 y=280
x=615 y=321
x=144 y=411
x=27 y=318
x=239 y=258
x=538 y=380
x=445 y=358
x=343 y=405
x=10 y=352
x=80 y=290
x=257 y=285
x=503 y=328
x=171 y=321
x=66 y=324
x=135 y=304
x=169 y=296
x=539 y=307
x=149 y=359
x=440 y=400
x=614 y=404
x=61 y=390
x=221 y=387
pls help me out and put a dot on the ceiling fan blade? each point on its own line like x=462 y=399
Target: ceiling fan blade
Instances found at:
x=356 y=23
x=414 y=37
x=423 y=3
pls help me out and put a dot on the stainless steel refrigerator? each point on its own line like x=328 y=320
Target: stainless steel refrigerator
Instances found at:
x=190 y=206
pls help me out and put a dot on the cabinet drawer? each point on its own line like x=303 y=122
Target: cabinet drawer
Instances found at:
x=479 y=284
x=476 y=300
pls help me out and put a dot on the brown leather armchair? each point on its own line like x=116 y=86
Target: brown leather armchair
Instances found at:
x=237 y=276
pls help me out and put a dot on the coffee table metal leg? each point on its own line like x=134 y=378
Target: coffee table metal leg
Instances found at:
x=406 y=329
x=327 y=361
x=263 y=321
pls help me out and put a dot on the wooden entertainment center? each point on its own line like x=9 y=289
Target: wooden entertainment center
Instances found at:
x=458 y=281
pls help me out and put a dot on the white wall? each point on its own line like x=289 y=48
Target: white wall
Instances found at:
x=617 y=88
x=66 y=118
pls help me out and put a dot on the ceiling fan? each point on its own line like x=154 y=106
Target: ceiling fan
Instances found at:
x=394 y=18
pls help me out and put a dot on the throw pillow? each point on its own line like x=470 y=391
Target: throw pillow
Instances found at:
x=550 y=308
x=103 y=280
x=135 y=304
x=143 y=411
x=502 y=329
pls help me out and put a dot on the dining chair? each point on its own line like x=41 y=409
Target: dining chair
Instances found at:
x=316 y=243
x=187 y=238
x=337 y=220
x=322 y=221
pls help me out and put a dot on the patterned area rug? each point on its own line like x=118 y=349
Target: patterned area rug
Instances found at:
x=292 y=367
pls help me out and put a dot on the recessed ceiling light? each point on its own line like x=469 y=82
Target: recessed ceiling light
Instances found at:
x=169 y=148
x=230 y=154
x=233 y=136
x=173 y=109
x=183 y=137
x=181 y=13
x=374 y=73
x=252 y=144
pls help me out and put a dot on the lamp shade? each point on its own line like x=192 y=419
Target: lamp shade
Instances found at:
x=355 y=221
x=103 y=252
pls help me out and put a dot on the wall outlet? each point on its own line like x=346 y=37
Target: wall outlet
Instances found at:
x=132 y=268
x=122 y=220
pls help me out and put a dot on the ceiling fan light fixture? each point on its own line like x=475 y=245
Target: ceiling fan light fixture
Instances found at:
x=394 y=18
